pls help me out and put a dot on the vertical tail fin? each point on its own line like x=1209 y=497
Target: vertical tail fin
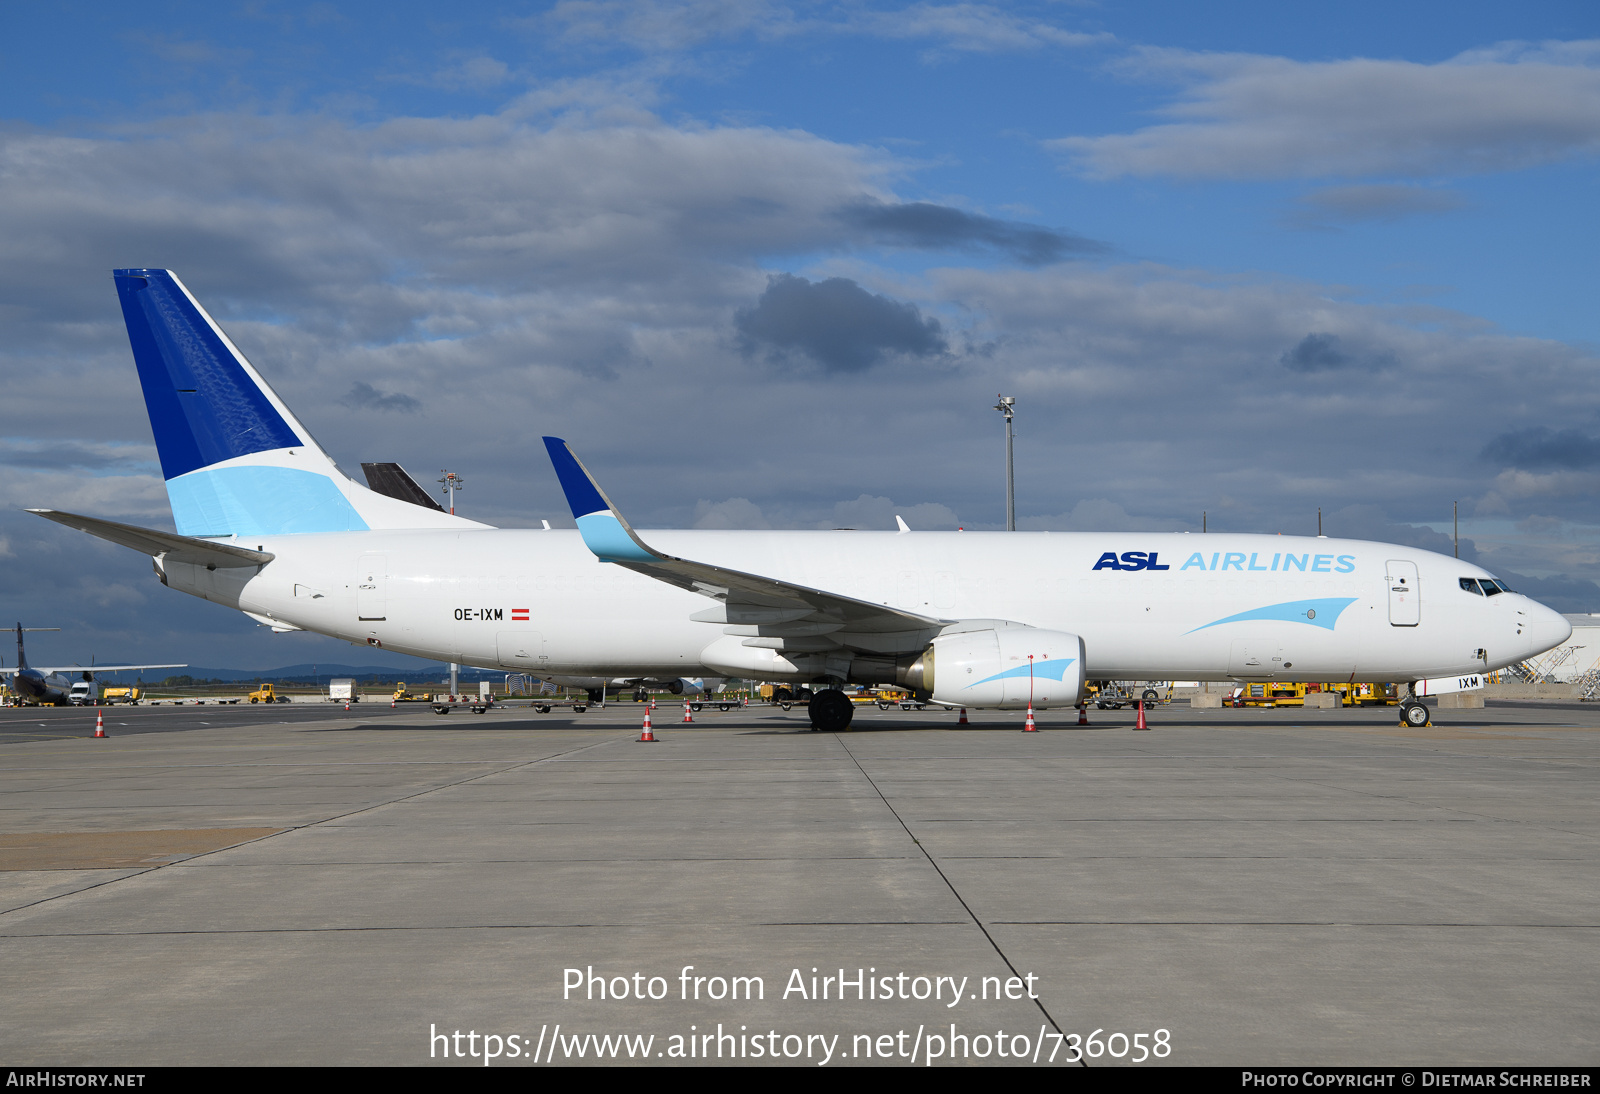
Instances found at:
x=22 y=658
x=236 y=460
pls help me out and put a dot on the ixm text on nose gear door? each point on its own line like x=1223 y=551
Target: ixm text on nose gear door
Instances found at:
x=1405 y=605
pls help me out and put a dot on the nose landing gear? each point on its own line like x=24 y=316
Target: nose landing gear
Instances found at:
x=1414 y=713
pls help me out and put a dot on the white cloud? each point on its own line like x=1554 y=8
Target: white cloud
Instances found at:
x=877 y=514
x=1375 y=203
x=732 y=513
x=666 y=24
x=970 y=28
x=654 y=26
x=1251 y=116
x=584 y=280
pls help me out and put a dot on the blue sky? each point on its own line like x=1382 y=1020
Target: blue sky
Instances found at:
x=766 y=264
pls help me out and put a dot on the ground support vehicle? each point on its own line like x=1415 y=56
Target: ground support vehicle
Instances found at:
x=721 y=704
x=1269 y=694
x=1373 y=695
x=784 y=696
x=401 y=695
x=265 y=694
x=1116 y=694
x=478 y=704
x=113 y=696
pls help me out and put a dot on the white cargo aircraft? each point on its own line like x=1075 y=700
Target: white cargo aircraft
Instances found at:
x=268 y=525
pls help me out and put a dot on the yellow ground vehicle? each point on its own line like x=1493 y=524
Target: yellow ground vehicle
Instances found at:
x=401 y=695
x=131 y=696
x=1270 y=694
x=1361 y=695
x=265 y=694
x=1284 y=694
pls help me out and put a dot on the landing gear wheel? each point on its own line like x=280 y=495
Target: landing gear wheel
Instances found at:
x=1414 y=714
x=441 y=710
x=542 y=709
x=831 y=711
x=1151 y=695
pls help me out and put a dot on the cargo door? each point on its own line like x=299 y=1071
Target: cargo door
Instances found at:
x=372 y=578
x=1405 y=602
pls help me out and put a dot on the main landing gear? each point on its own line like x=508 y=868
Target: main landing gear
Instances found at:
x=831 y=711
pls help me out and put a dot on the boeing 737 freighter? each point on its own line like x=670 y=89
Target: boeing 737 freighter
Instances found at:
x=268 y=525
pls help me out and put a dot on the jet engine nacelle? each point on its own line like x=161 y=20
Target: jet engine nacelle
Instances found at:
x=1000 y=668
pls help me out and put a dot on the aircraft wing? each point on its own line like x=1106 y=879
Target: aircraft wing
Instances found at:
x=159 y=544
x=766 y=611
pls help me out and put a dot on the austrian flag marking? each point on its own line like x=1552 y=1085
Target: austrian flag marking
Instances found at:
x=519 y=615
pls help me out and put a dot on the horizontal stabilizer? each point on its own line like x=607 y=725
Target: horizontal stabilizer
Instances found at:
x=391 y=480
x=158 y=544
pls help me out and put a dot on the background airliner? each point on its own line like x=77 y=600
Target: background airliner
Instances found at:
x=51 y=686
x=268 y=525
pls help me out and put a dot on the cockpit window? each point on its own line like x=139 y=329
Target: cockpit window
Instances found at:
x=1503 y=586
x=1471 y=585
x=1491 y=587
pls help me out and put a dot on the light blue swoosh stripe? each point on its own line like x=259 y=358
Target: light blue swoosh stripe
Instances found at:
x=1043 y=670
x=1319 y=613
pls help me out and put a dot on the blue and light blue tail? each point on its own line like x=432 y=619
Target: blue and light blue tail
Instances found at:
x=236 y=460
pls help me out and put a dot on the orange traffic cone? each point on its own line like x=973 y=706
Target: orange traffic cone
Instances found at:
x=347 y=704
x=1083 y=715
x=687 y=717
x=647 y=737
x=99 y=723
x=962 y=721
x=1028 y=726
x=1140 y=723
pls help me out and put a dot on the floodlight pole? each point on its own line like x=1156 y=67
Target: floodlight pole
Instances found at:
x=452 y=482
x=1008 y=406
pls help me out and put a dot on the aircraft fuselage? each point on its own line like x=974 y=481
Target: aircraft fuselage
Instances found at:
x=1148 y=606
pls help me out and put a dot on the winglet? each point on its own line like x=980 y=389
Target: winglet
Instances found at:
x=604 y=531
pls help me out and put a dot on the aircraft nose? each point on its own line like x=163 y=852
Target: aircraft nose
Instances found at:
x=1546 y=628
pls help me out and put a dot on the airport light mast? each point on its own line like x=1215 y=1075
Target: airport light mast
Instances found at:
x=1008 y=406
x=452 y=482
